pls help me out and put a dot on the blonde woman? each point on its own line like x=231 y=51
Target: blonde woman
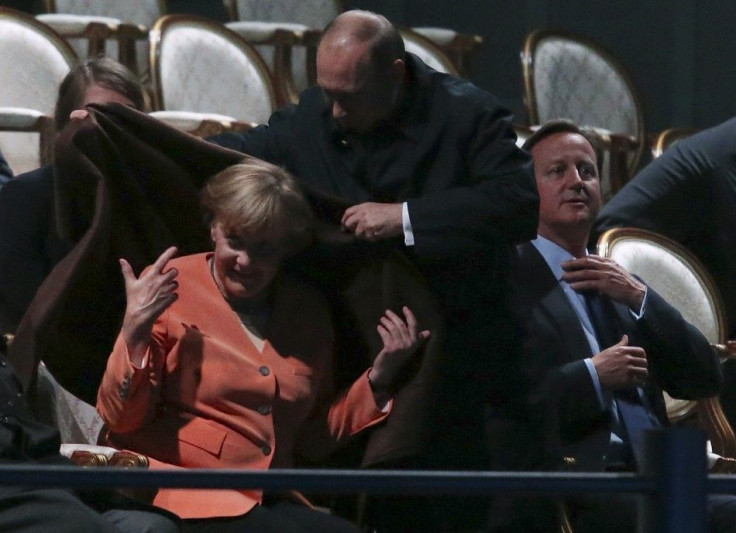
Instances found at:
x=224 y=362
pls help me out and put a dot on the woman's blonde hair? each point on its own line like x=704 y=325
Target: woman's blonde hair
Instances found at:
x=258 y=198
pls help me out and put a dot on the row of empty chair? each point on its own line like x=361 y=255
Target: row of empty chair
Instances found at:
x=565 y=76
x=285 y=30
x=202 y=74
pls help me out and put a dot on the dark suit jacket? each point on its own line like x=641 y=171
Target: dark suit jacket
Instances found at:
x=681 y=361
x=555 y=412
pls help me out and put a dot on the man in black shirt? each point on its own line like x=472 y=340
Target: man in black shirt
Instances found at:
x=428 y=166
x=422 y=155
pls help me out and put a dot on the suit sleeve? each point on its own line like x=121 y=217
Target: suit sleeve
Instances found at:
x=568 y=391
x=269 y=142
x=654 y=199
x=128 y=396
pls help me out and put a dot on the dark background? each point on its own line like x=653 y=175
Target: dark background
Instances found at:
x=674 y=50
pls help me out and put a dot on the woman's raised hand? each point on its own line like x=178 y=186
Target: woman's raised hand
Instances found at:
x=147 y=297
x=401 y=339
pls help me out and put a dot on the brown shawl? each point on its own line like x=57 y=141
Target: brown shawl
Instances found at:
x=127 y=186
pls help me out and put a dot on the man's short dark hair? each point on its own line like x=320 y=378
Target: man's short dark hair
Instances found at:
x=101 y=71
x=555 y=126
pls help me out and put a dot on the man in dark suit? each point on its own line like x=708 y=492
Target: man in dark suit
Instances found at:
x=599 y=346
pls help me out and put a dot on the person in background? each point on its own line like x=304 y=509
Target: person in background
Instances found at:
x=30 y=246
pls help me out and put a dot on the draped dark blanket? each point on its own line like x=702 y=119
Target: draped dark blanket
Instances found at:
x=127 y=186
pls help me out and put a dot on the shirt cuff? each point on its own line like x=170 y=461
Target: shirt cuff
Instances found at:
x=640 y=314
x=596 y=381
x=406 y=223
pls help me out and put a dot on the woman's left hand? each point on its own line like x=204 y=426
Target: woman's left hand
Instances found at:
x=401 y=339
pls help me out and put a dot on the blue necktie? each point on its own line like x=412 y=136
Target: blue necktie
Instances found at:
x=633 y=413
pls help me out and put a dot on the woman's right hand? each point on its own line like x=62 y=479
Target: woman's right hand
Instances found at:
x=401 y=340
x=147 y=296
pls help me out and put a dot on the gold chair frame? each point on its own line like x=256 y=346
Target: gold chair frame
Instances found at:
x=709 y=411
x=43 y=125
x=667 y=138
x=167 y=21
x=98 y=33
x=619 y=144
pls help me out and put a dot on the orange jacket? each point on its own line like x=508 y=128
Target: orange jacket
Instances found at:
x=208 y=398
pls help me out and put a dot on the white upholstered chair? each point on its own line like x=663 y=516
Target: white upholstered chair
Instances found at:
x=35 y=60
x=681 y=280
x=287 y=34
x=427 y=51
x=522 y=134
x=200 y=66
x=78 y=421
x=282 y=45
x=459 y=47
x=567 y=76
x=112 y=27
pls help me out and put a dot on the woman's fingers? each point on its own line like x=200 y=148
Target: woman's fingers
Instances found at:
x=165 y=257
x=127 y=271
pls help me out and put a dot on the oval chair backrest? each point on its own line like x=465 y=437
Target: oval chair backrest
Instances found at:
x=569 y=77
x=201 y=66
x=678 y=277
x=427 y=51
x=315 y=13
x=141 y=12
x=34 y=60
